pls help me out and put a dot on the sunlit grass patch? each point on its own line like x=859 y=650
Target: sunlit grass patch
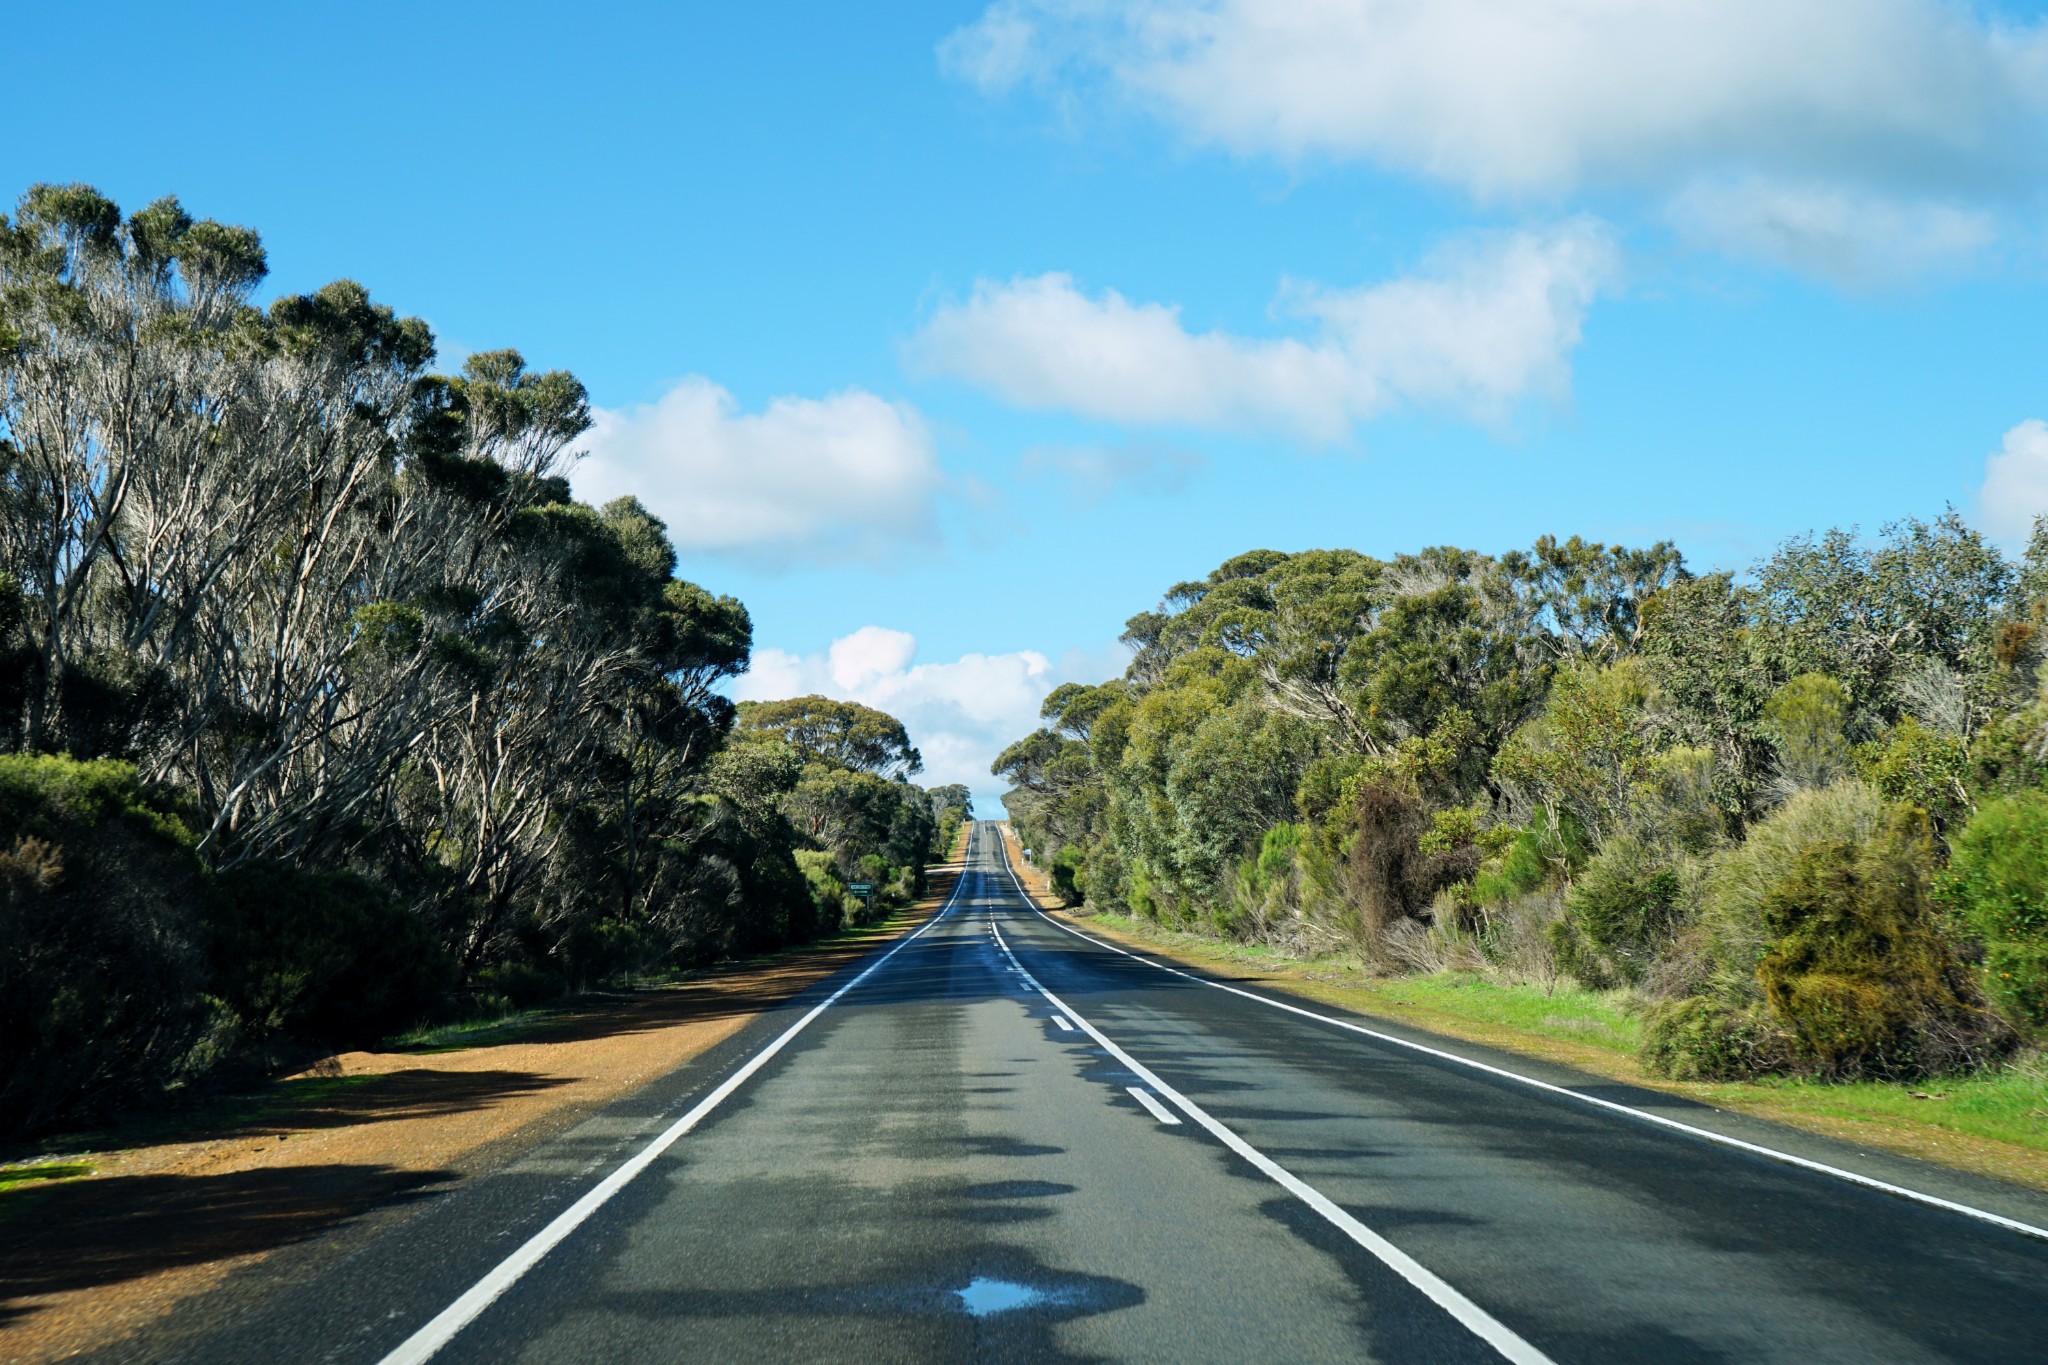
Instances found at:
x=30 y=1173
x=2008 y=1104
x=1604 y=1019
x=496 y=1028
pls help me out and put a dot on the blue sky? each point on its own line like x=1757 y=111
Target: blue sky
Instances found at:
x=955 y=333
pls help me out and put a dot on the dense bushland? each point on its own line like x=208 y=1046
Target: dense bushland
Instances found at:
x=324 y=706
x=1801 y=817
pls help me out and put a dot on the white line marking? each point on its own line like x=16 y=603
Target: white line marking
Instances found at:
x=1157 y=1110
x=1475 y=1319
x=1064 y=1026
x=438 y=1332
x=1719 y=1139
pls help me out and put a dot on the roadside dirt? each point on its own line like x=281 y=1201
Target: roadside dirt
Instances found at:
x=90 y=1261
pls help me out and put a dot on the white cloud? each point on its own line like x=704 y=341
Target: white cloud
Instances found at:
x=1921 y=101
x=1490 y=319
x=1511 y=96
x=1841 y=235
x=846 y=477
x=960 y=714
x=1095 y=472
x=2016 y=482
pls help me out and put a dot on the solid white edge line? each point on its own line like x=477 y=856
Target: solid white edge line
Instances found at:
x=1475 y=1319
x=1612 y=1106
x=1152 y=1106
x=444 y=1326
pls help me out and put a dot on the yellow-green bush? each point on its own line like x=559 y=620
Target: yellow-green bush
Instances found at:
x=1699 y=1039
x=1859 y=969
x=1618 y=915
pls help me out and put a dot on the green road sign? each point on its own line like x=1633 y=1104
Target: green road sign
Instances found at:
x=861 y=888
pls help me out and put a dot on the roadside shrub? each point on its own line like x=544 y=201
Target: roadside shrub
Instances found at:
x=1921 y=766
x=1998 y=887
x=328 y=957
x=1264 y=890
x=1859 y=970
x=1388 y=877
x=1619 y=912
x=1698 y=1039
x=101 y=964
x=1517 y=871
x=2006 y=754
x=828 y=894
x=1721 y=956
x=1673 y=804
x=1068 y=875
x=1807 y=720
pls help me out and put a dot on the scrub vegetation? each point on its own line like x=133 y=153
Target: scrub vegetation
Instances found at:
x=326 y=711
x=1791 y=824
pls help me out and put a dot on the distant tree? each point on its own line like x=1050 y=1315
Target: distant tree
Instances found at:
x=845 y=733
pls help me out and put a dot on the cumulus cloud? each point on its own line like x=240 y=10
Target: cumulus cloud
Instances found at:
x=1490 y=318
x=847 y=477
x=1921 y=100
x=960 y=714
x=1092 y=473
x=2016 y=482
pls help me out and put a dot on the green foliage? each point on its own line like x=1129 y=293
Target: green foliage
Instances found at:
x=1732 y=935
x=1590 y=746
x=326 y=956
x=415 y=730
x=1069 y=878
x=1516 y=871
x=828 y=891
x=842 y=734
x=1863 y=614
x=2007 y=755
x=102 y=957
x=1859 y=971
x=1921 y=766
x=1808 y=721
x=1997 y=885
x=1621 y=909
x=1578 y=756
x=1699 y=1039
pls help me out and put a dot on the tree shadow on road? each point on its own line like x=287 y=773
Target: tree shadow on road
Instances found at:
x=90 y=1233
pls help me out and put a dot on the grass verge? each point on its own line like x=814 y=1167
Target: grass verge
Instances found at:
x=1994 y=1123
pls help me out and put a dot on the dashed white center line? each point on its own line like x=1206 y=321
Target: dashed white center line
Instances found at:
x=1158 y=1110
x=1064 y=1026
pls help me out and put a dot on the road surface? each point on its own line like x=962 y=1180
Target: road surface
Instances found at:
x=1000 y=1140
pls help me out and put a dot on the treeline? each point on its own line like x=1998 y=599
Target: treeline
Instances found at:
x=327 y=710
x=1801 y=816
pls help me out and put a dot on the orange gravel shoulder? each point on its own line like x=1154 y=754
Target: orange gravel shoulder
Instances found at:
x=171 y=1211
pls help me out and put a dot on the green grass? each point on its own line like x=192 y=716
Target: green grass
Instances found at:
x=2005 y=1105
x=1601 y=1019
x=498 y=1028
x=24 y=1188
x=1603 y=1032
x=35 y=1171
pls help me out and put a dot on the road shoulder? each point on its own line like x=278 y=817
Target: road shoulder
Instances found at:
x=173 y=1211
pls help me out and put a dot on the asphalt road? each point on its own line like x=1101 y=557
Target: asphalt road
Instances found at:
x=1004 y=1141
